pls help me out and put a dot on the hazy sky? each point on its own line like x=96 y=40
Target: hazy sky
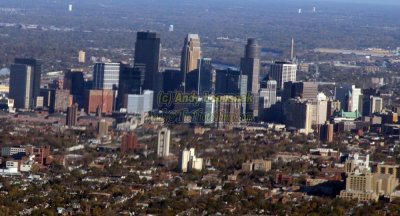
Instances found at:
x=397 y=2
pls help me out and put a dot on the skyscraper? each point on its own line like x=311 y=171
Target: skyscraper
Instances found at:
x=227 y=111
x=131 y=81
x=191 y=53
x=147 y=53
x=250 y=66
x=228 y=82
x=106 y=76
x=268 y=94
x=75 y=82
x=267 y=98
x=232 y=82
x=370 y=104
x=326 y=133
x=205 y=76
x=36 y=74
x=283 y=72
x=164 y=137
x=172 y=80
x=21 y=86
x=72 y=115
x=209 y=110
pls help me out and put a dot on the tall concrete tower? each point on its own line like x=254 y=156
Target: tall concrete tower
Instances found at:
x=164 y=138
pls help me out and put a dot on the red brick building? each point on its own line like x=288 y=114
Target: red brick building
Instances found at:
x=129 y=142
x=104 y=99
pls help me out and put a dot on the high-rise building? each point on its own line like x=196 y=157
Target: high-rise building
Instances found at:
x=268 y=95
x=370 y=105
x=75 y=82
x=205 y=77
x=229 y=82
x=106 y=76
x=184 y=158
x=209 y=110
x=326 y=133
x=298 y=115
x=103 y=99
x=319 y=110
x=250 y=66
x=131 y=81
x=82 y=57
x=356 y=96
x=304 y=90
x=191 y=54
x=267 y=98
x=48 y=96
x=139 y=103
x=164 y=138
x=283 y=72
x=61 y=101
x=147 y=54
x=21 y=86
x=172 y=80
x=227 y=111
x=349 y=97
x=189 y=162
x=72 y=115
x=36 y=66
x=129 y=142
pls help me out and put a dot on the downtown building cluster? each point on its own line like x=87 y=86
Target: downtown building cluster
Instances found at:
x=114 y=99
x=198 y=93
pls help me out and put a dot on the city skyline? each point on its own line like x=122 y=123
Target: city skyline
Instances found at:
x=214 y=107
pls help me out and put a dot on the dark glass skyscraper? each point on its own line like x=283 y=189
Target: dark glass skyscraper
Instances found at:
x=172 y=80
x=75 y=82
x=230 y=82
x=250 y=66
x=36 y=74
x=21 y=83
x=227 y=82
x=147 y=53
x=205 y=76
x=131 y=81
x=200 y=80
